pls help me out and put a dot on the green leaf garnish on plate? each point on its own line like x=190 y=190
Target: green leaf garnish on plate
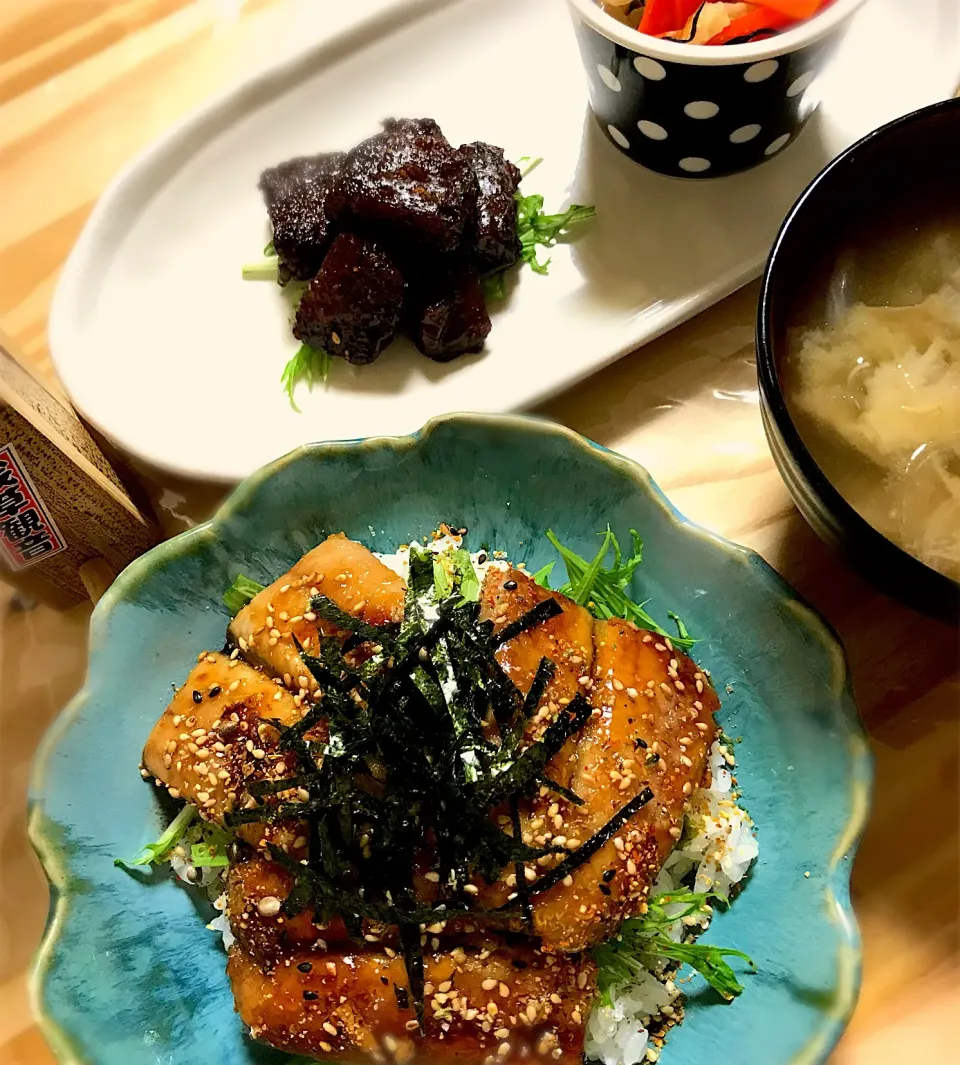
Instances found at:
x=158 y=851
x=642 y=940
x=240 y=593
x=602 y=587
x=308 y=364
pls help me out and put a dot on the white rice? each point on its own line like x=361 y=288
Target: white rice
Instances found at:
x=399 y=560
x=721 y=850
x=211 y=878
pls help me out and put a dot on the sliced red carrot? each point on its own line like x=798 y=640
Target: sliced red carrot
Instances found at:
x=795 y=9
x=666 y=16
x=763 y=18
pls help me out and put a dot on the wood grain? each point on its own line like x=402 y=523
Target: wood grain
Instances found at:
x=84 y=84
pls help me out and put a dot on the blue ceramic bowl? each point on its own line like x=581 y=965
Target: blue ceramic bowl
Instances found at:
x=127 y=974
x=699 y=112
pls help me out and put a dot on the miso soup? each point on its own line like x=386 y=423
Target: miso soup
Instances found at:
x=872 y=378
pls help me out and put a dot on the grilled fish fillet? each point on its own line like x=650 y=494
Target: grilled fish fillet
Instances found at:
x=643 y=693
x=345 y=1007
x=652 y=726
x=210 y=742
x=342 y=570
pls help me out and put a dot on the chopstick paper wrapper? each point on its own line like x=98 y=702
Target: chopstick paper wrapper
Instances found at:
x=67 y=524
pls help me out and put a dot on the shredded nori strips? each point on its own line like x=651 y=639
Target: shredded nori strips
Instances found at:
x=397 y=755
x=587 y=850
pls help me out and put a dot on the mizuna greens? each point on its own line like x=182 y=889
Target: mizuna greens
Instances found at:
x=642 y=940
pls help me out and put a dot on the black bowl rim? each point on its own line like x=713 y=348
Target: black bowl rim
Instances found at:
x=945 y=589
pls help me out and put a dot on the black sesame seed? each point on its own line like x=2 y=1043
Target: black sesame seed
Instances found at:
x=510 y=585
x=604 y=889
x=305 y=967
x=310 y=996
x=481 y=558
x=609 y=875
x=237 y=851
x=197 y=696
x=640 y=743
x=384 y=981
x=214 y=691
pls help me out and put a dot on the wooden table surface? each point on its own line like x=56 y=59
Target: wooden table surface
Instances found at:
x=84 y=84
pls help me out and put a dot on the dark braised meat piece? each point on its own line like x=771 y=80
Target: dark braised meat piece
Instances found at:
x=351 y=308
x=494 y=242
x=299 y=195
x=408 y=183
x=452 y=318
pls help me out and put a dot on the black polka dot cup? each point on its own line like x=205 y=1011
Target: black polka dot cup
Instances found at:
x=702 y=111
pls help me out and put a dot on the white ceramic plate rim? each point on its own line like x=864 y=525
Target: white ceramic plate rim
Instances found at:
x=808 y=32
x=137 y=182
x=234 y=97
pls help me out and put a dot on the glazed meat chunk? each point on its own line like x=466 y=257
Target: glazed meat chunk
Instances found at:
x=494 y=243
x=299 y=196
x=352 y=307
x=453 y=318
x=346 y=1006
x=408 y=183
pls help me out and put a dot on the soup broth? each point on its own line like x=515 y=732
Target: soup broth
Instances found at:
x=872 y=378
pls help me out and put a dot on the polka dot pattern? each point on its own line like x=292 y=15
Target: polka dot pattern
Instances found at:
x=801 y=83
x=649 y=68
x=608 y=77
x=761 y=71
x=694 y=164
x=774 y=146
x=701 y=109
x=653 y=130
x=699 y=121
x=743 y=134
x=617 y=136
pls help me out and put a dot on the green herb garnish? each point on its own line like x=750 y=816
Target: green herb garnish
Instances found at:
x=535 y=228
x=642 y=940
x=240 y=593
x=308 y=364
x=160 y=850
x=262 y=270
x=602 y=588
x=211 y=850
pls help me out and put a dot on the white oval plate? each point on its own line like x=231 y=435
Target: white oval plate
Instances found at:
x=172 y=355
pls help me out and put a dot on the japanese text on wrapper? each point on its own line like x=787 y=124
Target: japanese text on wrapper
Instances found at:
x=28 y=533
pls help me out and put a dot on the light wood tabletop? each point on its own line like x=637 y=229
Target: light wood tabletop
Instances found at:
x=85 y=84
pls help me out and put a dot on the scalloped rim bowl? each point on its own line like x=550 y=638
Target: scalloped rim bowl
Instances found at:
x=802 y=931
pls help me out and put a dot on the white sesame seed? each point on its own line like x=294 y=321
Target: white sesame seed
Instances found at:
x=269 y=906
